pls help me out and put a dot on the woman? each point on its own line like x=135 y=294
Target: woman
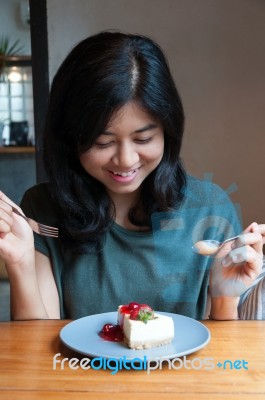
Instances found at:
x=112 y=143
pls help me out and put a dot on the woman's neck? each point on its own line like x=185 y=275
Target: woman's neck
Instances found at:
x=123 y=204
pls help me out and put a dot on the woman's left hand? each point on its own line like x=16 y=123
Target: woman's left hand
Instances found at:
x=236 y=266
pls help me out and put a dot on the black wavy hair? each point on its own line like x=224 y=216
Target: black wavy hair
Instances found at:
x=100 y=75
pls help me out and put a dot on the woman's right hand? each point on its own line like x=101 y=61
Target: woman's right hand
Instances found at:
x=33 y=290
x=16 y=237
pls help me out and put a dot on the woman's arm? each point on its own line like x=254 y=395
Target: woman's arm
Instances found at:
x=252 y=302
x=224 y=308
x=33 y=293
x=234 y=270
x=47 y=285
x=32 y=287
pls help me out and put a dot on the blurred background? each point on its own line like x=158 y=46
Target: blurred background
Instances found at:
x=215 y=49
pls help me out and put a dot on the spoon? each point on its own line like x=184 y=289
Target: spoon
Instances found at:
x=209 y=247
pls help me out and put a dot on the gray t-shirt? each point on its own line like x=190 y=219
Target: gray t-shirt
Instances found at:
x=158 y=267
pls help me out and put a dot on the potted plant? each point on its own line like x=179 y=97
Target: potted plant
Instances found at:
x=8 y=49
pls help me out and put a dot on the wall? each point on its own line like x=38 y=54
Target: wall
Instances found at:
x=17 y=174
x=216 y=52
x=11 y=24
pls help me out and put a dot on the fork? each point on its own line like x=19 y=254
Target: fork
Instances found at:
x=41 y=229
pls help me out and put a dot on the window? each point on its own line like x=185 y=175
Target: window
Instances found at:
x=16 y=99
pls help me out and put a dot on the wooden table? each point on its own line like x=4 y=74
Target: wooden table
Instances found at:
x=26 y=367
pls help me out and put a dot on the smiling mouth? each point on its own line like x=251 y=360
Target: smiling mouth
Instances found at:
x=124 y=174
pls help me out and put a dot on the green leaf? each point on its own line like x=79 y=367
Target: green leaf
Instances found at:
x=145 y=316
x=7 y=48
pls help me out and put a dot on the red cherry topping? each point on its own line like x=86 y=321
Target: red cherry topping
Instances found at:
x=143 y=313
x=112 y=333
x=134 y=314
x=134 y=305
x=107 y=328
x=127 y=308
x=133 y=309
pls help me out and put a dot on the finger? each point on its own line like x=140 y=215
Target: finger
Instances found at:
x=6 y=199
x=261 y=229
x=5 y=226
x=254 y=227
x=6 y=218
x=7 y=202
x=251 y=227
x=244 y=254
x=5 y=209
x=253 y=239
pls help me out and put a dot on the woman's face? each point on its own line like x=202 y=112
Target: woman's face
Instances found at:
x=128 y=150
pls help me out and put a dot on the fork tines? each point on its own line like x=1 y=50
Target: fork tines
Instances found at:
x=48 y=230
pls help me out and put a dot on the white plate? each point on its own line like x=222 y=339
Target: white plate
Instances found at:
x=82 y=336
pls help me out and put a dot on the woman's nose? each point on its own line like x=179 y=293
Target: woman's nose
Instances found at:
x=125 y=156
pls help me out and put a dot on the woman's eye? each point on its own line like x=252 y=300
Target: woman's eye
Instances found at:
x=142 y=141
x=103 y=145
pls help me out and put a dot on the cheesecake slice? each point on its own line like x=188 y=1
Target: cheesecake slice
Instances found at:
x=143 y=328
